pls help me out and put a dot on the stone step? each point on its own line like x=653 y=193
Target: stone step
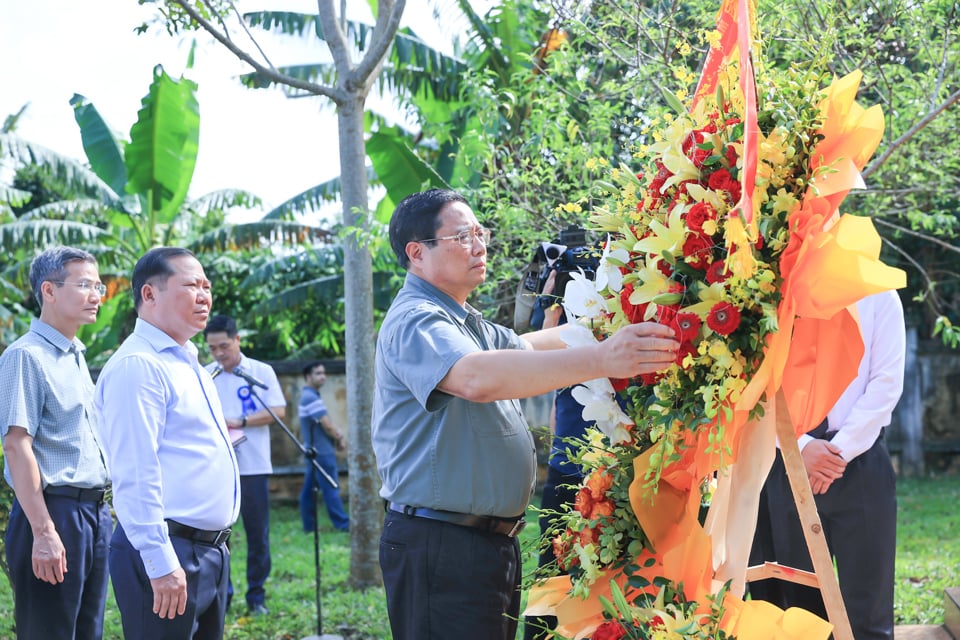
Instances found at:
x=921 y=632
x=951 y=611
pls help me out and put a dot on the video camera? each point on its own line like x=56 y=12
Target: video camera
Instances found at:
x=569 y=254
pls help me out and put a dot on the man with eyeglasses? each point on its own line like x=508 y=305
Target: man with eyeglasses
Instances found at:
x=59 y=525
x=457 y=463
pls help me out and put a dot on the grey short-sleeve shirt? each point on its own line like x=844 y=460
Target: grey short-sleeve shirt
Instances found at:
x=48 y=392
x=435 y=450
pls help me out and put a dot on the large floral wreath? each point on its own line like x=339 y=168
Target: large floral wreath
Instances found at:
x=726 y=235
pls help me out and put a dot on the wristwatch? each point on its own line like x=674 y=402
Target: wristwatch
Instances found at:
x=244 y=423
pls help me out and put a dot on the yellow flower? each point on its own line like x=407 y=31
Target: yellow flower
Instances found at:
x=665 y=238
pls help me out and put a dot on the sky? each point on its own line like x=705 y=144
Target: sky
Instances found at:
x=258 y=140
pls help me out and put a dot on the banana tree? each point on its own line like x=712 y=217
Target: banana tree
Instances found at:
x=131 y=196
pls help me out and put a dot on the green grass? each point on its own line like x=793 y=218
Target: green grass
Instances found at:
x=928 y=547
x=928 y=559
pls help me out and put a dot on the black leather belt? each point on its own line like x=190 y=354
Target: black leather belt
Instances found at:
x=213 y=538
x=510 y=527
x=77 y=493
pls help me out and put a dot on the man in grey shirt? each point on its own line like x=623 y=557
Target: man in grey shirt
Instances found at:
x=457 y=462
x=59 y=530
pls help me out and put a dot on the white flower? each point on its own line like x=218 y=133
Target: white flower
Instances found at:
x=581 y=297
x=600 y=406
x=608 y=273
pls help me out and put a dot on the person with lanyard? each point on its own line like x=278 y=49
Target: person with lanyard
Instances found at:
x=246 y=413
x=326 y=439
x=176 y=486
x=59 y=525
x=853 y=484
x=456 y=460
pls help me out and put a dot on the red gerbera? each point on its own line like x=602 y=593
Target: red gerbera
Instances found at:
x=724 y=318
x=687 y=326
x=686 y=349
x=717 y=272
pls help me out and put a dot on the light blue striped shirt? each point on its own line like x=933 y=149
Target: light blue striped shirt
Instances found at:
x=166 y=443
x=47 y=390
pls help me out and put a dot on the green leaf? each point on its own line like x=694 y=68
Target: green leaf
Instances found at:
x=162 y=153
x=103 y=149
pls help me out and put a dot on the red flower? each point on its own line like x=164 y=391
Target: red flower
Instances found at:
x=609 y=630
x=619 y=384
x=656 y=622
x=717 y=272
x=687 y=326
x=667 y=314
x=633 y=312
x=691 y=148
x=696 y=250
x=698 y=214
x=686 y=349
x=731 y=156
x=724 y=318
x=721 y=180
x=650 y=378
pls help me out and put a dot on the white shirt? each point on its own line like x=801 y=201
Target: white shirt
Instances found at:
x=867 y=404
x=167 y=444
x=253 y=454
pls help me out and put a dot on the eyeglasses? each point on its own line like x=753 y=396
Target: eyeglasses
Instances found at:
x=466 y=237
x=86 y=285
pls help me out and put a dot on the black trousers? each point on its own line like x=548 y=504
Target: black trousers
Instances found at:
x=208 y=571
x=447 y=581
x=859 y=517
x=72 y=609
x=559 y=489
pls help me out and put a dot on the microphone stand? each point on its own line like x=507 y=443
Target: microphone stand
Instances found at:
x=311 y=454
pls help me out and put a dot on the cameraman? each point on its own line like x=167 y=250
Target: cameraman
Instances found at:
x=563 y=477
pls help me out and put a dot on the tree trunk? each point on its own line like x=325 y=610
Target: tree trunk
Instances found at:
x=366 y=511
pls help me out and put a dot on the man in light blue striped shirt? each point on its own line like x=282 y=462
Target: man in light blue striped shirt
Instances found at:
x=59 y=527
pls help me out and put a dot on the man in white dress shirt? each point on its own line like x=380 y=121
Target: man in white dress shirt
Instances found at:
x=854 y=486
x=176 y=487
x=246 y=412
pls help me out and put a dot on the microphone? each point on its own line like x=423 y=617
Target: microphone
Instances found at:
x=253 y=382
x=216 y=371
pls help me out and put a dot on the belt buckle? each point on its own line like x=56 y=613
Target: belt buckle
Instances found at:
x=517 y=528
x=222 y=537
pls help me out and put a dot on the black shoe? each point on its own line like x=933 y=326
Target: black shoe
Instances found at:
x=258 y=610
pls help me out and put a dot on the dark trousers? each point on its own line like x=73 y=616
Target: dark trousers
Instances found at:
x=559 y=489
x=859 y=517
x=312 y=480
x=447 y=581
x=255 y=511
x=207 y=569
x=73 y=608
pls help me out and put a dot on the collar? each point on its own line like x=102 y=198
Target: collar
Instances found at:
x=417 y=284
x=160 y=340
x=55 y=338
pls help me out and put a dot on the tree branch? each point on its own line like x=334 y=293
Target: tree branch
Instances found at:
x=917 y=234
x=910 y=133
x=266 y=72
